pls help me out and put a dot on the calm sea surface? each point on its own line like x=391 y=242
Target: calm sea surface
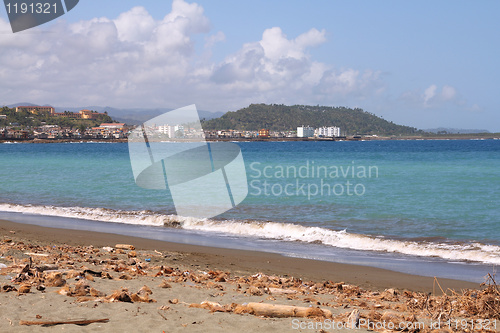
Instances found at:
x=433 y=199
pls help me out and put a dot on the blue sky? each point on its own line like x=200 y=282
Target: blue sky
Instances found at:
x=423 y=63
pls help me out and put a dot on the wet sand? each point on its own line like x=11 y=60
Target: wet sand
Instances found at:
x=185 y=288
x=241 y=261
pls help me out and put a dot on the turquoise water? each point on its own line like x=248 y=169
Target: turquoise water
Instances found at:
x=417 y=198
x=446 y=189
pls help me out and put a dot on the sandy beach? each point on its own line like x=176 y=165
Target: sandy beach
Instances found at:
x=56 y=275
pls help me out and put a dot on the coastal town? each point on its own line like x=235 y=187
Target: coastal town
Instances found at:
x=44 y=125
x=301 y=132
x=46 y=131
x=120 y=131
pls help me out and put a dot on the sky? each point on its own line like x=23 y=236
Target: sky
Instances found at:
x=422 y=63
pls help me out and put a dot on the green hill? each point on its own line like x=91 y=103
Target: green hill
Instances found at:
x=287 y=118
x=25 y=119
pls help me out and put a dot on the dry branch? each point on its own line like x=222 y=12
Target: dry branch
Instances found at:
x=61 y=322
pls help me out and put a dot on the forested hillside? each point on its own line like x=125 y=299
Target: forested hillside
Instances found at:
x=285 y=118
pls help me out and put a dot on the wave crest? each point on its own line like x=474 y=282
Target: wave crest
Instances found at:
x=473 y=252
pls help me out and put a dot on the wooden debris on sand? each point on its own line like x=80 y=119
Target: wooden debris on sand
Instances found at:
x=280 y=311
x=125 y=246
x=212 y=306
x=24 y=289
x=124 y=295
x=266 y=310
x=61 y=322
x=75 y=270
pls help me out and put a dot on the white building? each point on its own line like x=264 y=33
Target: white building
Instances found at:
x=179 y=129
x=329 y=132
x=305 y=132
x=168 y=130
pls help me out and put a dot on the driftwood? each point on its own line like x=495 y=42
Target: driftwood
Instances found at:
x=281 y=311
x=36 y=254
x=61 y=322
x=47 y=267
x=279 y=291
x=125 y=246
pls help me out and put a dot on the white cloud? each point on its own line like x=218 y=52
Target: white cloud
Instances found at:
x=276 y=45
x=429 y=93
x=278 y=68
x=188 y=18
x=136 y=25
x=448 y=93
x=19 y=40
x=435 y=97
x=134 y=60
x=211 y=40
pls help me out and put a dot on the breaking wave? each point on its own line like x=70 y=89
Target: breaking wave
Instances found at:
x=471 y=252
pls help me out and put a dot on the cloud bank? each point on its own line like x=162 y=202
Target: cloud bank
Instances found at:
x=134 y=60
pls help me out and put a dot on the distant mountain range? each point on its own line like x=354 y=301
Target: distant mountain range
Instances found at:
x=443 y=130
x=133 y=116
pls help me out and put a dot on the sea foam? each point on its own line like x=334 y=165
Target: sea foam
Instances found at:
x=466 y=252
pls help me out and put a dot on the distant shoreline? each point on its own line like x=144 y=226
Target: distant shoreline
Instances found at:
x=485 y=136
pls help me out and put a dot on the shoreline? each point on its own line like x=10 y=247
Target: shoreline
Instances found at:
x=82 y=282
x=487 y=136
x=241 y=261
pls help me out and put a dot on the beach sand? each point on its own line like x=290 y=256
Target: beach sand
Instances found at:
x=180 y=277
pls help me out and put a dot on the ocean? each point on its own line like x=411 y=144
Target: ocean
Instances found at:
x=428 y=207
